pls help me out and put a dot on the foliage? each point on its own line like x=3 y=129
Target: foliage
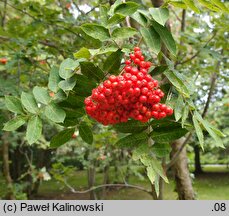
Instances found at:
x=57 y=61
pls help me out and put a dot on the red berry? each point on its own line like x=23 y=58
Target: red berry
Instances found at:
x=138 y=54
x=137 y=61
x=107 y=92
x=132 y=56
x=127 y=62
x=143 y=99
x=112 y=78
x=156 y=107
x=134 y=71
x=137 y=49
x=144 y=91
x=127 y=68
x=137 y=91
x=154 y=114
x=107 y=83
x=169 y=111
x=161 y=115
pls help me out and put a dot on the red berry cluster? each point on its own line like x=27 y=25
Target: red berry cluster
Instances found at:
x=135 y=94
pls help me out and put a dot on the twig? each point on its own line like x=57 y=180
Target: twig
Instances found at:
x=4 y=14
x=175 y=14
x=212 y=85
x=47 y=23
x=198 y=52
x=105 y=185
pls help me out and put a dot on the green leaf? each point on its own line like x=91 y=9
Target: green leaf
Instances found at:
x=179 y=4
x=126 y=8
x=113 y=62
x=54 y=79
x=191 y=4
x=13 y=104
x=103 y=14
x=151 y=174
x=158 y=70
x=14 y=124
x=113 y=6
x=185 y=114
x=34 y=129
x=75 y=113
x=85 y=133
x=41 y=95
x=178 y=108
x=221 y=5
x=209 y=5
x=161 y=149
x=29 y=102
x=140 y=18
x=166 y=37
x=166 y=132
x=61 y=138
x=152 y=163
x=151 y=38
x=55 y=113
x=124 y=32
x=158 y=169
x=82 y=53
x=84 y=85
x=96 y=31
x=177 y=82
x=91 y=71
x=68 y=84
x=67 y=68
x=132 y=126
x=199 y=131
x=116 y=19
x=217 y=131
x=133 y=140
x=160 y=15
x=208 y=128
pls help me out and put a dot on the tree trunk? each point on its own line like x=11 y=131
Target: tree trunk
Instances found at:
x=91 y=182
x=6 y=166
x=161 y=181
x=181 y=172
x=198 y=168
x=105 y=180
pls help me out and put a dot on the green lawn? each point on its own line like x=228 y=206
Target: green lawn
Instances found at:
x=212 y=185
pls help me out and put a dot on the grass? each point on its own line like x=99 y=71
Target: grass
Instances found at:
x=212 y=185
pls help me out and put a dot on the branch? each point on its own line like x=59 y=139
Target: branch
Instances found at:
x=4 y=14
x=106 y=185
x=210 y=93
x=47 y=23
x=198 y=52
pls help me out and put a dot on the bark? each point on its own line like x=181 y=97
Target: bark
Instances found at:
x=181 y=172
x=91 y=182
x=6 y=166
x=198 y=168
x=161 y=181
x=105 y=180
x=180 y=167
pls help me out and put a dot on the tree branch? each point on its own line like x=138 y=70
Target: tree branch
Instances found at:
x=198 y=52
x=4 y=14
x=210 y=93
x=106 y=185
